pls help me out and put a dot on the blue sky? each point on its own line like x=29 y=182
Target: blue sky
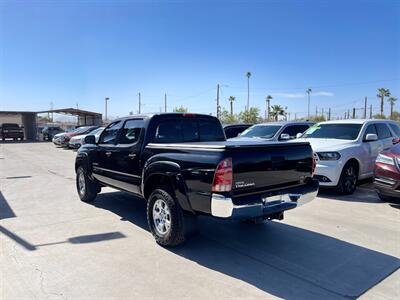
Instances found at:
x=69 y=52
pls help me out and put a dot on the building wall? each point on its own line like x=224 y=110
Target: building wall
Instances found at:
x=10 y=118
x=25 y=119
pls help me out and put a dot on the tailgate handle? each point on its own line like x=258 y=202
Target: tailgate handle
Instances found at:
x=131 y=155
x=108 y=153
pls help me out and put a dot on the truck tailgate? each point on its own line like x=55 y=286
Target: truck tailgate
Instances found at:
x=261 y=167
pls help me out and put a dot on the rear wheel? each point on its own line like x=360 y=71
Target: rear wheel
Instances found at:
x=348 y=179
x=87 y=188
x=168 y=223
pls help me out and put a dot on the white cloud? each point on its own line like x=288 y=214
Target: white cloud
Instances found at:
x=302 y=95
x=289 y=95
x=327 y=94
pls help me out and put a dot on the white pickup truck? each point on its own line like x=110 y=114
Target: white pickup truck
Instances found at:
x=346 y=150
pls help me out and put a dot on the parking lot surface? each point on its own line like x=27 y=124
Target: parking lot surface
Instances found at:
x=53 y=246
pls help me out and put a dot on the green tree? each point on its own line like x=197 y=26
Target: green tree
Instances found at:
x=382 y=93
x=396 y=116
x=276 y=111
x=250 y=115
x=227 y=118
x=392 y=101
x=181 y=109
x=317 y=119
x=379 y=116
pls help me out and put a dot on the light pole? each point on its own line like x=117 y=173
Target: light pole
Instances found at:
x=106 y=100
x=248 y=75
x=308 y=111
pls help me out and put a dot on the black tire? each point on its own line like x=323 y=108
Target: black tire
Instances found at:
x=172 y=225
x=90 y=190
x=385 y=198
x=348 y=179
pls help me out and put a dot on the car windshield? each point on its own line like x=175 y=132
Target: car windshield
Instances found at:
x=11 y=126
x=333 y=131
x=266 y=131
x=80 y=130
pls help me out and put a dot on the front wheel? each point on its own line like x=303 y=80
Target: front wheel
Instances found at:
x=87 y=188
x=165 y=218
x=348 y=180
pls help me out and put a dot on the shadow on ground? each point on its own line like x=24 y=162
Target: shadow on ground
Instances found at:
x=275 y=257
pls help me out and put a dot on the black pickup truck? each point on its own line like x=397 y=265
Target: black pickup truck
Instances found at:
x=183 y=166
x=11 y=131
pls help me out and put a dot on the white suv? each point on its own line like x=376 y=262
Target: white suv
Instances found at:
x=346 y=150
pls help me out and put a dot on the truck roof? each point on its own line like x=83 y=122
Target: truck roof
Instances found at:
x=356 y=121
x=151 y=115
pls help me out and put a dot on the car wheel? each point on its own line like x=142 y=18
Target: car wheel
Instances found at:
x=87 y=188
x=348 y=180
x=165 y=218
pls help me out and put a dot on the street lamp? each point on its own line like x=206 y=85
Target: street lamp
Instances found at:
x=106 y=100
x=308 y=91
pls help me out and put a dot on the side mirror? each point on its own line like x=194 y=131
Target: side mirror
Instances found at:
x=285 y=137
x=299 y=135
x=90 y=139
x=371 y=137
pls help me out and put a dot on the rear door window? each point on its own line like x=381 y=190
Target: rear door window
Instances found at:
x=395 y=129
x=188 y=130
x=383 y=131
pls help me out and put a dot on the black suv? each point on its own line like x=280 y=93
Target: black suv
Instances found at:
x=11 y=131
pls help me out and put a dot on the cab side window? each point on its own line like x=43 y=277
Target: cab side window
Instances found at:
x=371 y=129
x=383 y=131
x=293 y=130
x=131 y=131
x=110 y=134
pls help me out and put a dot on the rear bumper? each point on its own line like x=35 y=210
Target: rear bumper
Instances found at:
x=224 y=207
x=387 y=186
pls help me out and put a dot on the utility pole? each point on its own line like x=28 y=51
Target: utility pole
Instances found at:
x=308 y=111
x=348 y=114
x=365 y=107
x=218 y=100
x=165 y=102
x=106 y=100
x=316 y=111
x=354 y=112
x=295 y=116
x=329 y=114
x=370 y=111
x=52 y=108
x=323 y=115
x=140 y=104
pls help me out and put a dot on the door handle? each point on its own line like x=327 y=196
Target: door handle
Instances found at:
x=108 y=153
x=131 y=155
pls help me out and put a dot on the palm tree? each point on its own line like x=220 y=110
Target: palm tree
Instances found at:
x=231 y=99
x=268 y=102
x=392 y=101
x=248 y=75
x=382 y=93
x=276 y=111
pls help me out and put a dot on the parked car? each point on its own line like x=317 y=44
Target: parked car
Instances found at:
x=11 y=131
x=183 y=166
x=387 y=174
x=346 y=150
x=63 y=139
x=50 y=131
x=275 y=131
x=233 y=130
x=76 y=141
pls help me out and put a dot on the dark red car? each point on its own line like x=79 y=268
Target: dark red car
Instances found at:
x=387 y=174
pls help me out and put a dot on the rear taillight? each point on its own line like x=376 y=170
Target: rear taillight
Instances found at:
x=223 y=176
x=314 y=164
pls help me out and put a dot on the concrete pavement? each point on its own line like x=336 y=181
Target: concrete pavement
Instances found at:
x=53 y=246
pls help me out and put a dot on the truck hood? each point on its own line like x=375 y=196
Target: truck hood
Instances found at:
x=327 y=144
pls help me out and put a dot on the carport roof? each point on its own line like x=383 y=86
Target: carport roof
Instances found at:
x=71 y=111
